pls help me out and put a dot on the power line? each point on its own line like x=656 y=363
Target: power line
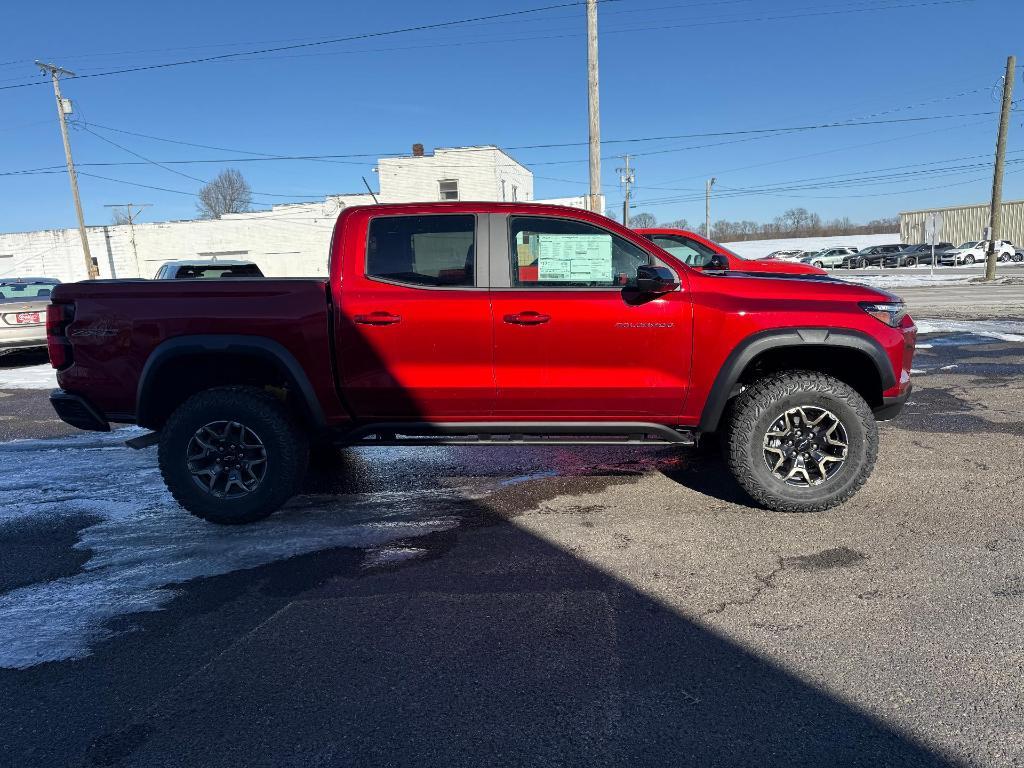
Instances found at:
x=332 y=41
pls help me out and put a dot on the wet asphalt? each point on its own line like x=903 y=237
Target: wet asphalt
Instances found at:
x=555 y=606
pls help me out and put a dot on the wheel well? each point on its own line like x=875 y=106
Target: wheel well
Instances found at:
x=179 y=377
x=848 y=365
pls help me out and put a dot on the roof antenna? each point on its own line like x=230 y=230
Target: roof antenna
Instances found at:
x=370 y=190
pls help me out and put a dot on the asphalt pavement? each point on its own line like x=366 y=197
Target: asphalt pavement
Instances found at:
x=525 y=606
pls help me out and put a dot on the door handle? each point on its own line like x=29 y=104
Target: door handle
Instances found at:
x=527 y=318
x=378 y=318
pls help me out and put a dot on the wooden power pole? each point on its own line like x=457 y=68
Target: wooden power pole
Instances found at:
x=594 y=108
x=55 y=73
x=996 y=213
x=130 y=215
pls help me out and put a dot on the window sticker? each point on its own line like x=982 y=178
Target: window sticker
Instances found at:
x=574 y=258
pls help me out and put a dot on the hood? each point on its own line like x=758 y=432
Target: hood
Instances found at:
x=774 y=267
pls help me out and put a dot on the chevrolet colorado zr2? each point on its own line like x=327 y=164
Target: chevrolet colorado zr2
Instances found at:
x=490 y=324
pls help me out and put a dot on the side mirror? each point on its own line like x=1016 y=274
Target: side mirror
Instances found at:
x=655 y=280
x=718 y=263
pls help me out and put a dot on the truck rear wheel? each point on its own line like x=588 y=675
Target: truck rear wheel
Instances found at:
x=801 y=441
x=232 y=455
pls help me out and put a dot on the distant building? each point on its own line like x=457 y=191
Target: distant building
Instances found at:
x=286 y=241
x=960 y=224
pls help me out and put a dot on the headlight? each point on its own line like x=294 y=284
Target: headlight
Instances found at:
x=889 y=313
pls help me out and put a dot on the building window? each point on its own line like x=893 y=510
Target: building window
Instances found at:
x=449 y=189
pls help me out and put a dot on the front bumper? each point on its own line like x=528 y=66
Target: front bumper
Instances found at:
x=892 y=406
x=78 y=412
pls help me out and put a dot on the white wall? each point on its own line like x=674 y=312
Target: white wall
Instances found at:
x=479 y=170
x=758 y=249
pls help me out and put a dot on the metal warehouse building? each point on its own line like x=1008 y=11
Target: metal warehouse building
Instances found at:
x=962 y=223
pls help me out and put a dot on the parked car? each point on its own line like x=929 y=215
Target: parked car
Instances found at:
x=489 y=324
x=1018 y=254
x=701 y=253
x=977 y=251
x=830 y=257
x=874 y=255
x=791 y=255
x=23 y=302
x=216 y=269
x=913 y=255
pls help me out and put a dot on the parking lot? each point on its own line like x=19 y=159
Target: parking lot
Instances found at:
x=543 y=606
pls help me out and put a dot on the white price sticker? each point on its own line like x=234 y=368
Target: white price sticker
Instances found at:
x=574 y=258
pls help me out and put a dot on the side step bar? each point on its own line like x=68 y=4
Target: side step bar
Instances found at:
x=519 y=433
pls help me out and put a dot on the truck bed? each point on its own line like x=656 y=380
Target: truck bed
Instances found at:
x=119 y=323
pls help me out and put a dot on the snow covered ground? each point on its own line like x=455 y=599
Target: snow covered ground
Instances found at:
x=141 y=544
x=29 y=377
x=758 y=249
x=1003 y=330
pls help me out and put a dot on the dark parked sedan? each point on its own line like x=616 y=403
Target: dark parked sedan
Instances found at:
x=874 y=255
x=913 y=255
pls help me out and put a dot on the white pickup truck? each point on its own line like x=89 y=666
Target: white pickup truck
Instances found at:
x=977 y=251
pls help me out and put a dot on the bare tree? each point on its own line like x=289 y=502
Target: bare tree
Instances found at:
x=119 y=215
x=642 y=220
x=228 y=193
x=677 y=224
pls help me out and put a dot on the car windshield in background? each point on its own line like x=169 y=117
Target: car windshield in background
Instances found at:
x=968 y=246
x=30 y=291
x=214 y=271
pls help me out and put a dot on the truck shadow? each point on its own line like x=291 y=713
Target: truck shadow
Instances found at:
x=495 y=646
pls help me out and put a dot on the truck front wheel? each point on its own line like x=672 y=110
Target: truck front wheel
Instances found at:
x=232 y=455
x=801 y=441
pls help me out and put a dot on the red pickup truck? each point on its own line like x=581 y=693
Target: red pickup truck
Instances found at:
x=485 y=323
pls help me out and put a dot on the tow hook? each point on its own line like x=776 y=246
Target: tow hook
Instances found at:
x=143 y=441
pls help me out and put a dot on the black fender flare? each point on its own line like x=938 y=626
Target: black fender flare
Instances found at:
x=226 y=345
x=758 y=343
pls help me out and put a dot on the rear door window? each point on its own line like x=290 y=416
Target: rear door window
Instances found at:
x=433 y=251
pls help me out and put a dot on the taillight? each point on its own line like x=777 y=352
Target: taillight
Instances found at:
x=58 y=317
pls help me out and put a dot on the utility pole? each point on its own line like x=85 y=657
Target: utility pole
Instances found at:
x=131 y=225
x=996 y=214
x=55 y=73
x=594 y=108
x=627 y=176
x=707 y=206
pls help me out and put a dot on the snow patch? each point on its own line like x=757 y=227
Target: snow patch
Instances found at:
x=1003 y=330
x=29 y=377
x=758 y=249
x=143 y=544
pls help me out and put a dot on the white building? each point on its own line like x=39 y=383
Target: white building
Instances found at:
x=287 y=240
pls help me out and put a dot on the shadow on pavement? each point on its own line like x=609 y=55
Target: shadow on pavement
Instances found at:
x=494 y=647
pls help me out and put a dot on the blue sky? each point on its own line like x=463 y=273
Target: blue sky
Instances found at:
x=667 y=69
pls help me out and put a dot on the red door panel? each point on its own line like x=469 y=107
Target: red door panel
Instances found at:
x=590 y=354
x=413 y=353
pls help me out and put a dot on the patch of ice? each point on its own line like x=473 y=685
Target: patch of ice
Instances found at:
x=29 y=377
x=917 y=371
x=381 y=556
x=1003 y=330
x=144 y=544
x=949 y=367
x=923 y=346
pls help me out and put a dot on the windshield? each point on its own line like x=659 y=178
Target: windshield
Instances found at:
x=968 y=246
x=25 y=291
x=691 y=252
x=215 y=271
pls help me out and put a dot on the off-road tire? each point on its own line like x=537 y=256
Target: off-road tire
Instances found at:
x=286 y=444
x=761 y=404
